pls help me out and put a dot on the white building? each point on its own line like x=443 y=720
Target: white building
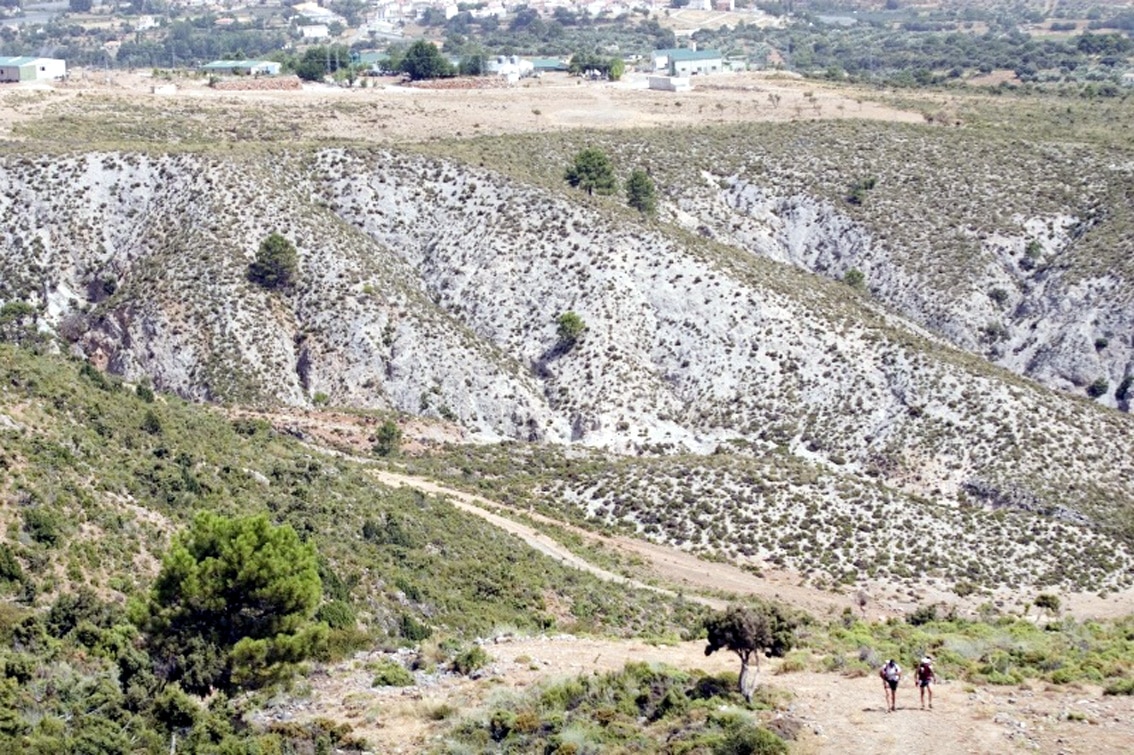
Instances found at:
x=32 y=69
x=243 y=67
x=315 y=31
x=510 y=66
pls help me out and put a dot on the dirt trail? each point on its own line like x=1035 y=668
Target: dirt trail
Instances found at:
x=836 y=714
x=674 y=568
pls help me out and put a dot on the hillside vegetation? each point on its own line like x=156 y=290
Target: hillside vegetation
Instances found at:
x=432 y=286
x=97 y=478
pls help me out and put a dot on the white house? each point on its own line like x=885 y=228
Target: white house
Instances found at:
x=32 y=69
x=315 y=31
x=684 y=62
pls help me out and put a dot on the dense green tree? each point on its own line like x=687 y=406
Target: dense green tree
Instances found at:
x=277 y=263
x=424 y=61
x=388 y=439
x=640 y=192
x=592 y=170
x=748 y=632
x=233 y=604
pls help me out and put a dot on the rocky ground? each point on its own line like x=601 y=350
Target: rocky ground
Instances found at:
x=833 y=713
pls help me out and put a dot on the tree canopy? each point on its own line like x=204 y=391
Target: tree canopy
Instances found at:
x=233 y=603
x=570 y=328
x=424 y=61
x=748 y=632
x=640 y=192
x=591 y=170
x=277 y=263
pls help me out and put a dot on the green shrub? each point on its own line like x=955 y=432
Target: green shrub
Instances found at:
x=749 y=739
x=472 y=659
x=10 y=569
x=571 y=328
x=42 y=525
x=1120 y=687
x=337 y=614
x=412 y=629
x=389 y=673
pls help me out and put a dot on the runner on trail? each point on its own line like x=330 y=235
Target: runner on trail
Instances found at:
x=925 y=680
x=891 y=674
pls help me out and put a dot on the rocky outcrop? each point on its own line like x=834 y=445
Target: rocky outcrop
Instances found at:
x=1022 y=310
x=433 y=288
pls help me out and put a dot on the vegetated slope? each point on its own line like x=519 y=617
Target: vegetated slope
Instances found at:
x=1013 y=244
x=96 y=478
x=432 y=287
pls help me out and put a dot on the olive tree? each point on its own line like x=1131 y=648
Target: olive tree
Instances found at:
x=750 y=631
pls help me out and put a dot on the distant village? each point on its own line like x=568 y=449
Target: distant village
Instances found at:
x=384 y=22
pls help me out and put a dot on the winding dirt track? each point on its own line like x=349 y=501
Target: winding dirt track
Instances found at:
x=676 y=569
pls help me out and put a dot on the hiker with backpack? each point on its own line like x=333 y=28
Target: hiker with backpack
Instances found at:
x=891 y=674
x=925 y=679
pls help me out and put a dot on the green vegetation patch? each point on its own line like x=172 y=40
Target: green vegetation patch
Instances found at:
x=636 y=709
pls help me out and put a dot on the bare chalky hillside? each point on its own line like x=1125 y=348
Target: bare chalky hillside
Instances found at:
x=434 y=288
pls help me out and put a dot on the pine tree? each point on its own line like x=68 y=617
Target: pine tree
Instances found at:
x=233 y=603
x=277 y=263
x=640 y=192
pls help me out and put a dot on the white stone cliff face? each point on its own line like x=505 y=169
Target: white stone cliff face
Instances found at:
x=433 y=288
x=1022 y=310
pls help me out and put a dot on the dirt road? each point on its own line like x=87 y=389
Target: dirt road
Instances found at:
x=837 y=715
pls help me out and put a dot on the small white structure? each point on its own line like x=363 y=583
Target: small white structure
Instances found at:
x=32 y=69
x=317 y=14
x=315 y=31
x=510 y=67
x=671 y=83
x=243 y=67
